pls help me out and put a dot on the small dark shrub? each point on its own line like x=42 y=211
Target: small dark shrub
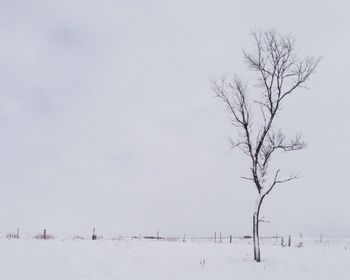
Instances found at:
x=12 y=235
x=44 y=236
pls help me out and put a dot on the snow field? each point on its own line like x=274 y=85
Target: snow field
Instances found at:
x=29 y=259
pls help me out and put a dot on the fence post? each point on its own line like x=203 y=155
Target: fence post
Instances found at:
x=289 y=241
x=94 y=236
x=220 y=238
x=282 y=241
x=17 y=234
x=230 y=238
x=215 y=236
x=45 y=236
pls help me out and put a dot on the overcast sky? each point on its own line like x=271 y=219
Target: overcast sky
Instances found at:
x=107 y=118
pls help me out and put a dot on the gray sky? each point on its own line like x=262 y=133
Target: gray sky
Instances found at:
x=107 y=118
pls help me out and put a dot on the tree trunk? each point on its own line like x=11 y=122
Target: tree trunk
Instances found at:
x=256 y=239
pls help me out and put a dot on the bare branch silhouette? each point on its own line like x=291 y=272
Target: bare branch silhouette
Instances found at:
x=279 y=73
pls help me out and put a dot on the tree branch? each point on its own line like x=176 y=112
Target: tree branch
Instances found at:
x=279 y=72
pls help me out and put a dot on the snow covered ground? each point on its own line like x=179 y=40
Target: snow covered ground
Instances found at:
x=161 y=260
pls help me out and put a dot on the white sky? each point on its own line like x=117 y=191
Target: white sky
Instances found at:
x=107 y=118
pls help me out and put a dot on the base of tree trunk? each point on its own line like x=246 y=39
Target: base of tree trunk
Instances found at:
x=256 y=238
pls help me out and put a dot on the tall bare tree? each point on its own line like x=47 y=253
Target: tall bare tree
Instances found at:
x=279 y=72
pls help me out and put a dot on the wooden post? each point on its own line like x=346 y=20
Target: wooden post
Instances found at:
x=94 y=236
x=230 y=238
x=45 y=236
x=289 y=241
x=17 y=234
x=157 y=235
x=282 y=241
x=215 y=236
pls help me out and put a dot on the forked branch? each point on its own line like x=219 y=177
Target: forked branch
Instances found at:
x=279 y=73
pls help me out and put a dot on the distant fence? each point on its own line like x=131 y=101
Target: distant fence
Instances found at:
x=216 y=237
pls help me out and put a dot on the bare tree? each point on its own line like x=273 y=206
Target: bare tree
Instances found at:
x=279 y=72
